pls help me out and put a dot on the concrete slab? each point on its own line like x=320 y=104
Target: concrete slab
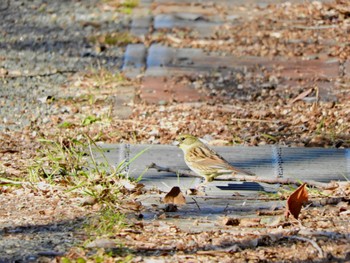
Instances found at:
x=288 y=68
x=202 y=25
x=201 y=61
x=159 y=56
x=178 y=8
x=165 y=61
x=225 y=198
x=306 y=69
x=134 y=60
x=346 y=69
x=267 y=161
x=123 y=100
x=141 y=25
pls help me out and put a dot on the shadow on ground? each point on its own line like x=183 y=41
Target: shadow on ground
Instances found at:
x=26 y=243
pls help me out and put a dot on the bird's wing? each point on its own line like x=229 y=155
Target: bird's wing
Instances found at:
x=205 y=157
x=240 y=171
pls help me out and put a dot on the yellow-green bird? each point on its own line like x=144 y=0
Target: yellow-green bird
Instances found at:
x=204 y=161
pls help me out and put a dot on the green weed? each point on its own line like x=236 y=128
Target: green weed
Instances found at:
x=72 y=162
x=130 y=3
x=65 y=125
x=269 y=137
x=81 y=165
x=106 y=223
x=90 y=120
x=9 y=182
x=64 y=158
x=115 y=38
x=100 y=257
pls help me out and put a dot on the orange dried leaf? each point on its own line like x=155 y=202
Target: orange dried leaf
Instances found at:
x=175 y=197
x=296 y=200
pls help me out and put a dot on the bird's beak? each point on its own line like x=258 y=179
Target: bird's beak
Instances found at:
x=176 y=143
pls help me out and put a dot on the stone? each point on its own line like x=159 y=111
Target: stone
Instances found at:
x=123 y=101
x=141 y=25
x=192 y=9
x=134 y=60
x=203 y=26
x=347 y=69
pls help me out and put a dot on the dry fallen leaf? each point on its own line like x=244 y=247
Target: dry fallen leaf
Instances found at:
x=302 y=95
x=196 y=192
x=175 y=197
x=229 y=221
x=132 y=205
x=296 y=200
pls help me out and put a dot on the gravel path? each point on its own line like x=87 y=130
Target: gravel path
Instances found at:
x=41 y=44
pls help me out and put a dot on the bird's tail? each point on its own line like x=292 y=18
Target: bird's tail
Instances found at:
x=243 y=172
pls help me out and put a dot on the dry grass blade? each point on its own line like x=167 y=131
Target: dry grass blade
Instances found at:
x=302 y=95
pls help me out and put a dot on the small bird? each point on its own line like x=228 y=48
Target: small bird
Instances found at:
x=204 y=161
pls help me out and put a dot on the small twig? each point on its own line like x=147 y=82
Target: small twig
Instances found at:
x=48 y=74
x=313 y=243
x=50 y=253
x=269 y=212
x=329 y=234
x=8 y=181
x=226 y=207
x=315 y=27
x=183 y=173
x=196 y=204
x=92 y=154
x=243 y=178
x=244 y=198
x=254 y=120
x=9 y=151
